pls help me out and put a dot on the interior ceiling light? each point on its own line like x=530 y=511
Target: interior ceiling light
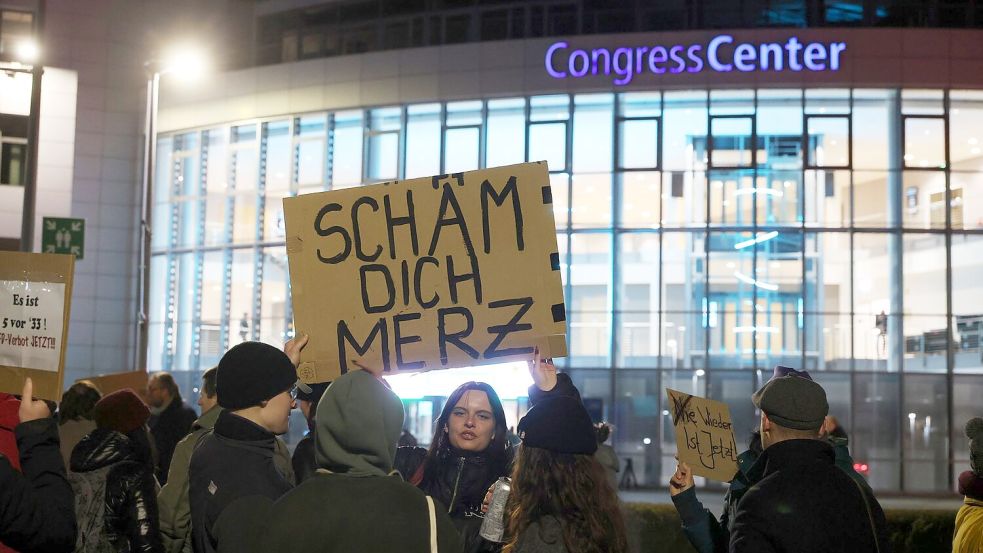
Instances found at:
x=763 y=285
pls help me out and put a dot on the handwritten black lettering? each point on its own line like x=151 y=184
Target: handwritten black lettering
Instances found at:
x=408 y=220
x=455 y=338
x=418 y=279
x=363 y=273
x=488 y=191
x=403 y=340
x=502 y=331
x=453 y=279
x=356 y=230
x=325 y=232
x=380 y=330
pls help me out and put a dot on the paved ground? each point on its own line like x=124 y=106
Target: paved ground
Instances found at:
x=715 y=500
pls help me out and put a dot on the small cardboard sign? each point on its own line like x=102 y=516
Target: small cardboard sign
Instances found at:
x=431 y=273
x=35 y=297
x=704 y=435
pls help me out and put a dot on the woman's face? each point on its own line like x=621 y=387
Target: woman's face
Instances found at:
x=471 y=425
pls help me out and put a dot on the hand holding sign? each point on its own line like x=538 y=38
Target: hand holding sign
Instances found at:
x=543 y=371
x=704 y=436
x=682 y=480
x=294 y=346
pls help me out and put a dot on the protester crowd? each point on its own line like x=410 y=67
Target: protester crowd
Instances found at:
x=120 y=473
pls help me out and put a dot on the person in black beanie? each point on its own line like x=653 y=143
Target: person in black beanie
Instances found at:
x=561 y=499
x=233 y=478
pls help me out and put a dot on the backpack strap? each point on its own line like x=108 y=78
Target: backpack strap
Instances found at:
x=870 y=515
x=433 y=525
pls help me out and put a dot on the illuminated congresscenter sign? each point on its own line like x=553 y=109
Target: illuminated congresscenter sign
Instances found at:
x=720 y=54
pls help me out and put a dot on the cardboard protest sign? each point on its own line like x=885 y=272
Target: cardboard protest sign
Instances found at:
x=112 y=382
x=430 y=273
x=35 y=296
x=704 y=435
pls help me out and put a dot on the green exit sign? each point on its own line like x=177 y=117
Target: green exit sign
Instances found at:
x=62 y=235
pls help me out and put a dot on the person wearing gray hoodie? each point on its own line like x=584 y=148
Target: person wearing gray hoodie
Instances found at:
x=356 y=501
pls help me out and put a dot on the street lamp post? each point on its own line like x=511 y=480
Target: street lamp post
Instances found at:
x=28 y=54
x=188 y=62
x=146 y=212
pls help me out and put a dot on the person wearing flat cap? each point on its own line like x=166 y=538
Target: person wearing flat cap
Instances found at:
x=564 y=502
x=803 y=502
x=705 y=532
x=233 y=477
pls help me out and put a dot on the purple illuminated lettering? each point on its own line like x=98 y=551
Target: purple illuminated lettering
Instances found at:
x=744 y=55
x=657 y=55
x=815 y=55
x=776 y=55
x=695 y=58
x=579 y=55
x=595 y=56
x=793 y=47
x=549 y=60
x=676 y=55
x=712 y=48
x=623 y=70
x=640 y=57
x=834 y=54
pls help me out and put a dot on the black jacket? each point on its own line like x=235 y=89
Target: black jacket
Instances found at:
x=37 y=509
x=303 y=458
x=805 y=504
x=169 y=428
x=108 y=463
x=233 y=478
x=462 y=481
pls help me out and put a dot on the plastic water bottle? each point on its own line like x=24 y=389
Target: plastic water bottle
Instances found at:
x=493 y=527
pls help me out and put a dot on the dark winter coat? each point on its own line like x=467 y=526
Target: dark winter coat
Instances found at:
x=303 y=458
x=706 y=533
x=233 y=479
x=169 y=428
x=115 y=494
x=463 y=479
x=355 y=502
x=37 y=511
x=543 y=536
x=805 y=504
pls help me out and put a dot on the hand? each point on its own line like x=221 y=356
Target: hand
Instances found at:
x=374 y=371
x=294 y=347
x=681 y=481
x=487 y=500
x=31 y=409
x=543 y=371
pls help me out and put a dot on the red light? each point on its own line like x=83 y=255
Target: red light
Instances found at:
x=863 y=468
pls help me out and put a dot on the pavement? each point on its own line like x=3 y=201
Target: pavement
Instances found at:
x=714 y=500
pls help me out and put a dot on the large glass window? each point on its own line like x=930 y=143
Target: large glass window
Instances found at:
x=703 y=237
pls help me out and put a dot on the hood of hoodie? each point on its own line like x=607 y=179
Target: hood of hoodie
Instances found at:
x=101 y=448
x=357 y=426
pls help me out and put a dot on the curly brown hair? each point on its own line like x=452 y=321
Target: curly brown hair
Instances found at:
x=572 y=488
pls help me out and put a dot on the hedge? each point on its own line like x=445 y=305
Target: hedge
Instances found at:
x=655 y=528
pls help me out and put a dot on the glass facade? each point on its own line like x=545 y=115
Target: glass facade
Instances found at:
x=705 y=236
